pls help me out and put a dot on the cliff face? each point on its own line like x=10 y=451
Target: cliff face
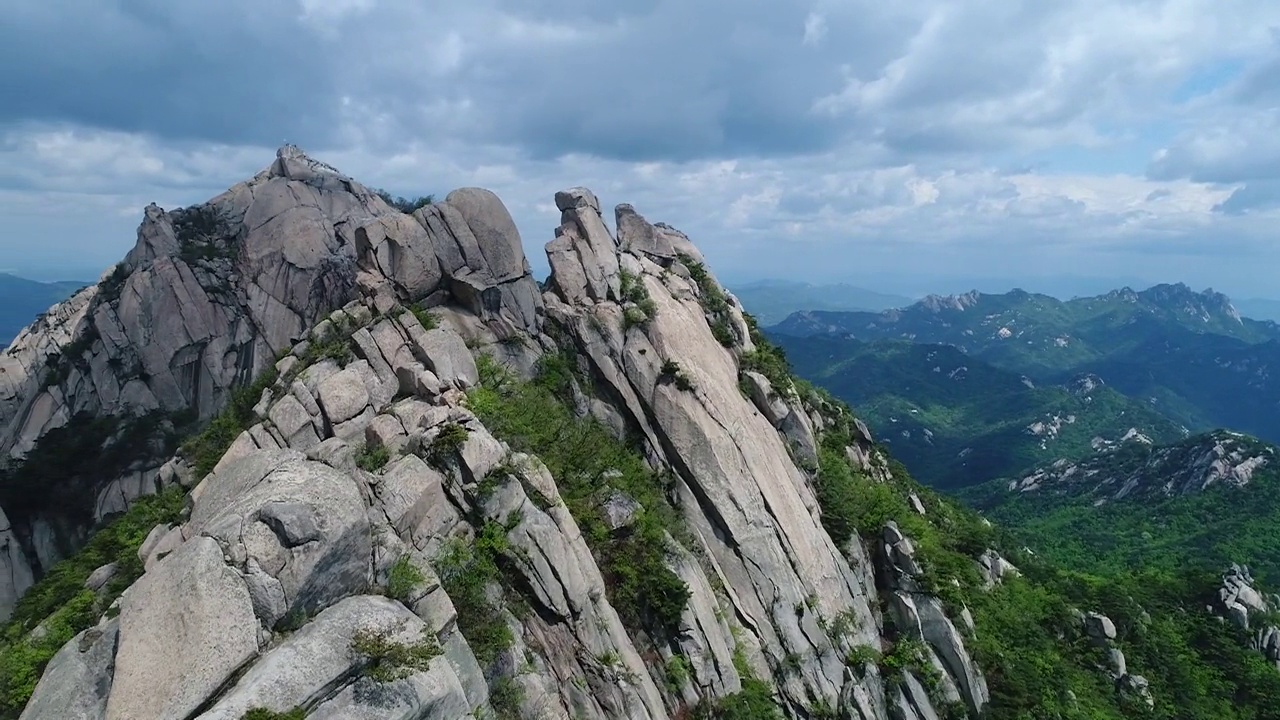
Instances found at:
x=460 y=497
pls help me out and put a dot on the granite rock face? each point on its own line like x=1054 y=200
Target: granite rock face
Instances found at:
x=209 y=297
x=320 y=562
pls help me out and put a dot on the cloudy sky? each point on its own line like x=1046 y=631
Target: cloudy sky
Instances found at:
x=911 y=146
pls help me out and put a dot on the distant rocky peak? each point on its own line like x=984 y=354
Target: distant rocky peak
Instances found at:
x=1085 y=383
x=938 y=303
x=1179 y=297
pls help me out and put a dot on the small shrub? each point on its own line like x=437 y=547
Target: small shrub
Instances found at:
x=906 y=655
x=387 y=660
x=293 y=621
x=109 y=289
x=677 y=673
x=373 y=458
x=265 y=714
x=633 y=316
x=466 y=571
x=754 y=702
x=505 y=697
x=633 y=291
x=861 y=656
x=403 y=577
x=405 y=205
x=722 y=331
x=425 y=317
x=334 y=345
x=447 y=444
x=671 y=371
x=715 y=303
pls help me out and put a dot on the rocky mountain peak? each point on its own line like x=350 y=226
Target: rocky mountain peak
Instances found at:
x=453 y=493
x=939 y=303
x=209 y=297
x=1180 y=298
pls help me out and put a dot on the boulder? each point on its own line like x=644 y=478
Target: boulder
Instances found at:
x=77 y=681
x=317 y=668
x=303 y=523
x=185 y=627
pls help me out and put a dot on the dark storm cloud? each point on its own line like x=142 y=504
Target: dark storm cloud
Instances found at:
x=235 y=71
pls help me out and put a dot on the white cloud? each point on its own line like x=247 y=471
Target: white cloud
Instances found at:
x=815 y=29
x=818 y=137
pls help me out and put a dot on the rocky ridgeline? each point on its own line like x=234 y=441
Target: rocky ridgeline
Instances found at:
x=1132 y=468
x=315 y=564
x=208 y=298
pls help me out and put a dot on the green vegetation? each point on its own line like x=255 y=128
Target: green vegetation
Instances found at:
x=110 y=288
x=1032 y=649
x=447 y=444
x=671 y=371
x=754 y=702
x=405 y=205
x=387 y=660
x=372 y=458
x=633 y=291
x=466 y=571
x=956 y=420
x=61 y=604
x=264 y=714
x=588 y=464
x=767 y=359
x=677 y=673
x=333 y=344
x=1184 y=354
x=203 y=234
x=425 y=318
x=715 y=302
x=205 y=450
x=403 y=577
x=1207 y=530
x=60 y=473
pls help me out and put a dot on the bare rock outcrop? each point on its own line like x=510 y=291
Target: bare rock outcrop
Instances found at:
x=367 y=547
x=207 y=299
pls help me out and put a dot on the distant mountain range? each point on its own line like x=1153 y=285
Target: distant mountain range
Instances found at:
x=973 y=387
x=21 y=300
x=771 y=301
x=1189 y=355
x=955 y=420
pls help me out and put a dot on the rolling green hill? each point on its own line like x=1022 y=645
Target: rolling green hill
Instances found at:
x=1207 y=501
x=955 y=420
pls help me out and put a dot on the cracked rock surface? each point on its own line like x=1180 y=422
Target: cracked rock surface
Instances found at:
x=338 y=513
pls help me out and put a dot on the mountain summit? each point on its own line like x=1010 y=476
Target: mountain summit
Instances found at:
x=304 y=455
x=423 y=505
